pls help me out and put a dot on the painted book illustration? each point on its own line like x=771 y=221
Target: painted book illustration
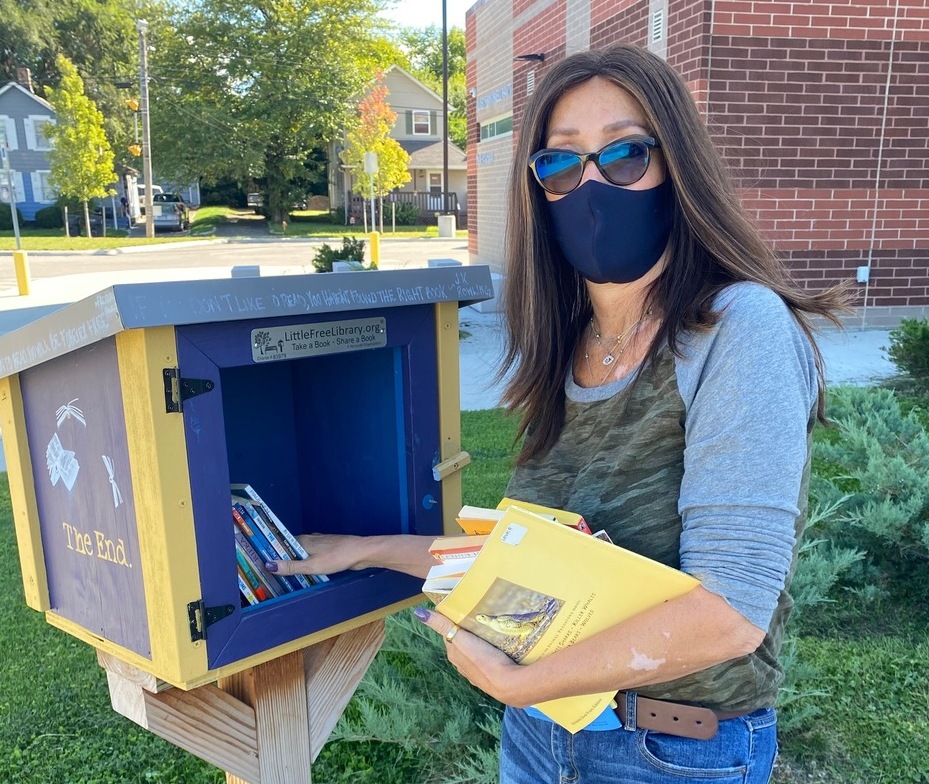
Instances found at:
x=537 y=586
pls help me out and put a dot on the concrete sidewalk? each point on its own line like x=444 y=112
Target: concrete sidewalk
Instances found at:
x=854 y=356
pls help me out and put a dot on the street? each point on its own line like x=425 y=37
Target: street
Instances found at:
x=212 y=254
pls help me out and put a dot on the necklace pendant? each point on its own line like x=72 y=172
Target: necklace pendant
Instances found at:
x=608 y=360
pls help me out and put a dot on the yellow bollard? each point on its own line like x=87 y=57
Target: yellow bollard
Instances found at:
x=375 y=238
x=21 y=264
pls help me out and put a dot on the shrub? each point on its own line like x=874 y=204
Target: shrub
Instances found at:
x=6 y=217
x=407 y=214
x=49 y=218
x=909 y=350
x=395 y=704
x=877 y=473
x=351 y=250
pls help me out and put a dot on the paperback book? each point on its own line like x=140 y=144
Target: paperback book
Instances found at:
x=261 y=537
x=537 y=586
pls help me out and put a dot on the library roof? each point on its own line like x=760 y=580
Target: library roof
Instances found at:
x=142 y=305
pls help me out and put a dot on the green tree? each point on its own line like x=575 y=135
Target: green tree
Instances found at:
x=371 y=133
x=81 y=159
x=97 y=36
x=253 y=89
x=423 y=50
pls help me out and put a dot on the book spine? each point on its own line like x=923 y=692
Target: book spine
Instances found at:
x=246 y=589
x=254 y=580
x=287 y=539
x=282 y=555
x=257 y=540
x=251 y=555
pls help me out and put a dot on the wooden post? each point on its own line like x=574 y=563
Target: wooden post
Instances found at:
x=264 y=725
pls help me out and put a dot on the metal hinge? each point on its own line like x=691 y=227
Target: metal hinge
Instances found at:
x=178 y=389
x=201 y=617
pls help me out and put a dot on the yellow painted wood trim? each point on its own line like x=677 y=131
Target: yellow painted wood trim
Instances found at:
x=195 y=681
x=22 y=494
x=161 y=491
x=449 y=377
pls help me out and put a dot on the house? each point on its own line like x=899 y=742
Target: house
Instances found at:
x=419 y=129
x=24 y=116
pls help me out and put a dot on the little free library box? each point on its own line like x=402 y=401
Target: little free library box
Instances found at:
x=126 y=416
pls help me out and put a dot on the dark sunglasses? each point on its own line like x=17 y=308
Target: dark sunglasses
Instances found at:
x=622 y=162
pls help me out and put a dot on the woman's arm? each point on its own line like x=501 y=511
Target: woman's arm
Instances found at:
x=331 y=553
x=679 y=637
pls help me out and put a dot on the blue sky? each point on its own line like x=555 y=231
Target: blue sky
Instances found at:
x=422 y=13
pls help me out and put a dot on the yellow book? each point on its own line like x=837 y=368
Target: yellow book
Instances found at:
x=477 y=520
x=538 y=586
x=572 y=519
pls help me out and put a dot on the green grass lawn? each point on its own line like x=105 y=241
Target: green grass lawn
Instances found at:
x=203 y=224
x=56 y=726
x=54 y=240
x=309 y=223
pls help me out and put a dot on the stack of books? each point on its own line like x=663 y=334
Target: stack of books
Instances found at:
x=260 y=536
x=536 y=581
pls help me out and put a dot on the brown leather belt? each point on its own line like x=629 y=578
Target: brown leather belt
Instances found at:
x=673 y=718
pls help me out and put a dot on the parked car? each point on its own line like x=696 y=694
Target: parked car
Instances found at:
x=76 y=227
x=157 y=190
x=170 y=211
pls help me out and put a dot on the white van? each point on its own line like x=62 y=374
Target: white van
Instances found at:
x=156 y=189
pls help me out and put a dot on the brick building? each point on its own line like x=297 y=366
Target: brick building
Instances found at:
x=821 y=108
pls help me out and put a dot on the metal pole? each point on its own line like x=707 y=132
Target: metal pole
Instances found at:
x=444 y=107
x=373 y=221
x=15 y=217
x=142 y=26
x=20 y=257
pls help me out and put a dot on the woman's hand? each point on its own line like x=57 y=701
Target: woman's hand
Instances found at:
x=487 y=668
x=328 y=553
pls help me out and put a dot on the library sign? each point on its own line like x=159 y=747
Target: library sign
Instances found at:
x=327 y=337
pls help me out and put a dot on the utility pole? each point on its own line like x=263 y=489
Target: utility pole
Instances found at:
x=444 y=107
x=142 y=26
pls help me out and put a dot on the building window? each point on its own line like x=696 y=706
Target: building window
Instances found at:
x=8 y=133
x=421 y=124
x=36 y=132
x=500 y=126
x=41 y=190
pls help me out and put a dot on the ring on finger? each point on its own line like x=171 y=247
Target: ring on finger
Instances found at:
x=451 y=634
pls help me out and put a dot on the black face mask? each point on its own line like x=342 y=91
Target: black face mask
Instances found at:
x=611 y=234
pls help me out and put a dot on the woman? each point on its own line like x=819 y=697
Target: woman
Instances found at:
x=668 y=384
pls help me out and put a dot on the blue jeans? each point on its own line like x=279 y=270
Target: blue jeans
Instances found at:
x=536 y=751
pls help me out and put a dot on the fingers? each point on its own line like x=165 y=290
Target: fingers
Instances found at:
x=285 y=567
x=438 y=623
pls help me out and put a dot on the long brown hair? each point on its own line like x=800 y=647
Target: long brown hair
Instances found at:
x=713 y=243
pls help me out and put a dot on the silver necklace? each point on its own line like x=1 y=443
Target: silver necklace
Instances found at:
x=623 y=339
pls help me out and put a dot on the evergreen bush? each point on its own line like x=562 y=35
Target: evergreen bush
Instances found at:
x=49 y=218
x=6 y=217
x=909 y=351
x=877 y=473
x=406 y=214
x=398 y=702
x=351 y=250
